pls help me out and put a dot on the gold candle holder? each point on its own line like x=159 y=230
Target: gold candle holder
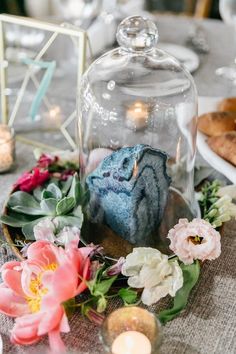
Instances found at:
x=7 y=148
x=131 y=330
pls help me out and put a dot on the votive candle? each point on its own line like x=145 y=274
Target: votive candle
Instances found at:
x=131 y=330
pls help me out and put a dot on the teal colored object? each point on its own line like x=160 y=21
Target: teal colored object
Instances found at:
x=128 y=192
x=44 y=84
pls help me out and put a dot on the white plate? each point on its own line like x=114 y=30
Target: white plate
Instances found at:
x=209 y=104
x=186 y=56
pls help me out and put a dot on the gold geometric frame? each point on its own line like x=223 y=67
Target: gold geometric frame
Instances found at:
x=79 y=38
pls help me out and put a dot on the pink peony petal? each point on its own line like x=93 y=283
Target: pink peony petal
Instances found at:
x=43 y=251
x=25 y=329
x=57 y=346
x=12 y=304
x=50 y=320
x=12 y=279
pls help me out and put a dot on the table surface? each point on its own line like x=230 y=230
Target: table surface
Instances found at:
x=208 y=325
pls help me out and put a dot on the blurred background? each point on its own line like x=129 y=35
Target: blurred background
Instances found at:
x=36 y=8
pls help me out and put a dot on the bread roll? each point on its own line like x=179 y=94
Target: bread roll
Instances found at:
x=217 y=123
x=225 y=146
x=228 y=105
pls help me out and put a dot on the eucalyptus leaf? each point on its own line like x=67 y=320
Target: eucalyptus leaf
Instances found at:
x=191 y=274
x=28 y=229
x=65 y=205
x=48 y=206
x=54 y=190
x=23 y=199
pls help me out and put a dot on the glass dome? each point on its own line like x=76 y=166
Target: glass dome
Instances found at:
x=137 y=133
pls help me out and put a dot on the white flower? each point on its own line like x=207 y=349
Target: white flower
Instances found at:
x=45 y=230
x=225 y=208
x=68 y=234
x=148 y=268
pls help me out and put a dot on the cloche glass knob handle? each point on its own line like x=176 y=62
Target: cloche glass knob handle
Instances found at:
x=137 y=33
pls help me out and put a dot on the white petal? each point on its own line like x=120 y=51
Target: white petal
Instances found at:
x=152 y=295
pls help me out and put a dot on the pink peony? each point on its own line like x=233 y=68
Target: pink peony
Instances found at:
x=36 y=291
x=30 y=180
x=194 y=240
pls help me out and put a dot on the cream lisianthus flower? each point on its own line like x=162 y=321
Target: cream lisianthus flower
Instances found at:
x=196 y=239
x=148 y=268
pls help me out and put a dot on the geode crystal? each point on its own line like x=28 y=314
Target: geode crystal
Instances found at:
x=128 y=192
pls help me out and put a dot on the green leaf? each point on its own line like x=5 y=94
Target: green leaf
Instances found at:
x=28 y=229
x=69 y=307
x=23 y=199
x=129 y=296
x=102 y=287
x=75 y=189
x=46 y=194
x=37 y=193
x=13 y=221
x=191 y=274
x=78 y=212
x=27 y=210
x=101 y=304
x=66 y=185
x=65 y=205
x=48 y=206
x=54 y=190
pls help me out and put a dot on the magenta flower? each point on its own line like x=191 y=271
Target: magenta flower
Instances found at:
x=30 y=180
x=194 y=240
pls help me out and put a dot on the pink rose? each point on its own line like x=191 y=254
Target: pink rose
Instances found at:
x=194 y=240
x=46 y=160
x=36 y=291
x=30 y=180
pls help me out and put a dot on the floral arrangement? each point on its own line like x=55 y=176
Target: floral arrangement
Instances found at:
x=47 y=204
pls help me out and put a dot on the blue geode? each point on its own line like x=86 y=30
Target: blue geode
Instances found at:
x=128 y=192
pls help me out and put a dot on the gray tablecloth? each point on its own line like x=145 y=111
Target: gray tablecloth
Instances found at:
x=208 y=324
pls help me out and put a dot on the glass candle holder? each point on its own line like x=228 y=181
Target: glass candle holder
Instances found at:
x=131 y=330
x=7 y=148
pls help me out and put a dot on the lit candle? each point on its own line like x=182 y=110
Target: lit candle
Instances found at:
x=131 y=342
x=137 y=115
x=53 y=118
x=7 y=148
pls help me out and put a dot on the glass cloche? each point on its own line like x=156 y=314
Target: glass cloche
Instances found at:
x=137 y=133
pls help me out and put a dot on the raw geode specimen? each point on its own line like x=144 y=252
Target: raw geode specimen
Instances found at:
x=128 y=192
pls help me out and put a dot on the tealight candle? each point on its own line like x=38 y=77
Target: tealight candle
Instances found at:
x=131 y=342
x=137 y=115
x=131 y=330
x=7 y=148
